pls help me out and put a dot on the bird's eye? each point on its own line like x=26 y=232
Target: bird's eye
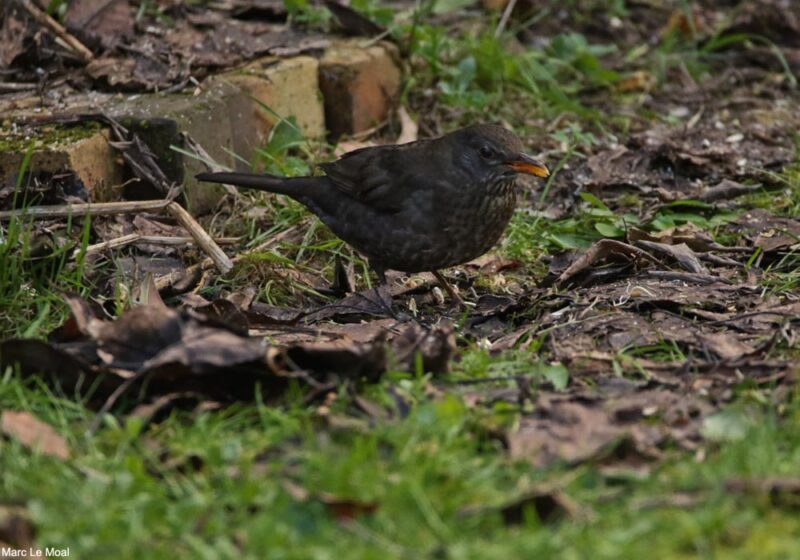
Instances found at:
x=485 y=152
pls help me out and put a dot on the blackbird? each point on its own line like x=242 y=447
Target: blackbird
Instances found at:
x=414 y=207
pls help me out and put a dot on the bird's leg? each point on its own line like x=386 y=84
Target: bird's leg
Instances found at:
x=448 y=288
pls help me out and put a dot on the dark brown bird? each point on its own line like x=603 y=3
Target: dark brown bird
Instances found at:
x=414 y=207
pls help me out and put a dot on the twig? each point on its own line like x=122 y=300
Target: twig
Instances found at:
x=90 y=208
x=110 y=244
x=182 y=240
x=44 y=19
x=691 y=278
x=501 y=26
x=148 y=239
x=17 y=86
x=205 y=241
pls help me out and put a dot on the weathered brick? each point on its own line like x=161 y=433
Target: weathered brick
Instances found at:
x=288 y=87
x=360 y=85
x=83 y=150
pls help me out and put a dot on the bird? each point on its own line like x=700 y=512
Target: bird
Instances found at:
x=422 y=206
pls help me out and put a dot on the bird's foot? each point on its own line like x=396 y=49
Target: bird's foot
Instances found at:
x=379 y=299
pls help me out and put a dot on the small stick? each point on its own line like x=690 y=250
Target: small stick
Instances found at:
x=501 y=26
x=90 y=208
x=149 y=239
x=17 y=86
x=183 y=240
x=110 y=244
x=44 y=19
x=204 y=241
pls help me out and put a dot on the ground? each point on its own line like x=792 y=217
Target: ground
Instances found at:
x=621 y=384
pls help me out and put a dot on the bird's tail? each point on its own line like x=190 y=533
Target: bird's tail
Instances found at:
x=259 y=182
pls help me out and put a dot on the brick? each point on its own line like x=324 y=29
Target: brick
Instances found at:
x=347 y=90
x=289 y=87
x=360 y=85
x=82 y=149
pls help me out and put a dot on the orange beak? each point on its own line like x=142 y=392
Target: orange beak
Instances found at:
x=526 y=164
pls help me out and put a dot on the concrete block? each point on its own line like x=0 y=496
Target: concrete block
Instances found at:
x=206 y=117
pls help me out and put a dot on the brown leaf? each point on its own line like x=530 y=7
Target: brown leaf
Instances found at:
x=564 y=431
x=160 y=408
x=619 y=427
x=15 y=33
x=33 y=434
x=726 y=345
x=103 y=21
x=680 y=253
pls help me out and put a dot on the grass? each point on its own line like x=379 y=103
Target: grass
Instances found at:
x=214 y=485
x=224 y=484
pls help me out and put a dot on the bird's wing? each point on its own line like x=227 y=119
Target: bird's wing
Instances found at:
x=380 y=176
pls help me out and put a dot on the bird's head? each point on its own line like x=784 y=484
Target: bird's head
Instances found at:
x=494 y=155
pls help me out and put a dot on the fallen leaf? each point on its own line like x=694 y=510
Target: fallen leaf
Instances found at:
x=105 y=21
x=726 y=346
x=680 y=253
x=33 y=434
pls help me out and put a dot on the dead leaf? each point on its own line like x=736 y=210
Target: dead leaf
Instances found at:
x=105 y=21
x=33 y=434
x=15 y=34
x=563 y=431
x=680 y=253
x=726 y=345
x=611 y=429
